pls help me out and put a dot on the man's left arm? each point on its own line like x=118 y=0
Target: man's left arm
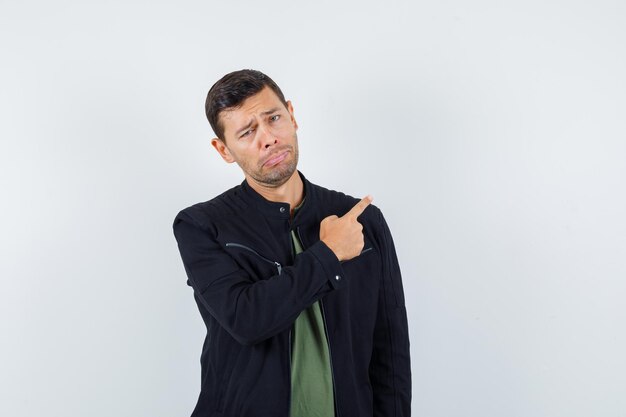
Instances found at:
x=390 y=367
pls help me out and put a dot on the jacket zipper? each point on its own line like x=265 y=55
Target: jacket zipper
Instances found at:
x=330 y=356
x=289 y=348
x=289 y=354
x=330 y=353
x=238 y=245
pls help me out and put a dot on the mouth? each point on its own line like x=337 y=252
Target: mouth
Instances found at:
x=276 y=159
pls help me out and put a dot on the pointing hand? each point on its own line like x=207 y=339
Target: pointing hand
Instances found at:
x=344 y=235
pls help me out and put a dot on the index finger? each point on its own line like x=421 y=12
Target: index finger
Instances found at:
x=360 y=206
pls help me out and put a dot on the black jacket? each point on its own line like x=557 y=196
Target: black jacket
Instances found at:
x=237 y=252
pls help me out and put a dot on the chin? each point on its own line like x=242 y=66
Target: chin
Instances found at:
x=279 y=175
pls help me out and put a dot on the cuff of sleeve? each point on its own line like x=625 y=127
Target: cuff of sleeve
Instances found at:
x=330 y=263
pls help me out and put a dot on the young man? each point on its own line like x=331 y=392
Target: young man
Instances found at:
x=299 y=286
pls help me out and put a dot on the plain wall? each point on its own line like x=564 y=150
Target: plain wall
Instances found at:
x=491 y=134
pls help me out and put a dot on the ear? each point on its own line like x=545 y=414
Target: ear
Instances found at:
x=293 y=119
x=223 y=150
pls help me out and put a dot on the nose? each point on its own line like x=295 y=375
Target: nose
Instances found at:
x=265 y=136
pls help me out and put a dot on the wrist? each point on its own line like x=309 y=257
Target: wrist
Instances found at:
x=333 y=248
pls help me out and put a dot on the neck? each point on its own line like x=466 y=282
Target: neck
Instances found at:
x=291 y=191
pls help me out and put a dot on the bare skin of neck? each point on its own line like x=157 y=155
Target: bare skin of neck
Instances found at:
x=291 y=191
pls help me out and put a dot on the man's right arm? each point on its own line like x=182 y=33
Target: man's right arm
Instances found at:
x=252 y=311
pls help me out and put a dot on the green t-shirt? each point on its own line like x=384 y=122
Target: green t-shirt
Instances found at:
x=311 y=374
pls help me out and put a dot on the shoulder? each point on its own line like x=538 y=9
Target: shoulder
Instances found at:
x=339 y=203
x=202 y=214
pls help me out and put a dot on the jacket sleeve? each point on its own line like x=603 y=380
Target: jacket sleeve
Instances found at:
x=252 y=310
x=390 y=367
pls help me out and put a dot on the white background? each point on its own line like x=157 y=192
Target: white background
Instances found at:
x=491 y=134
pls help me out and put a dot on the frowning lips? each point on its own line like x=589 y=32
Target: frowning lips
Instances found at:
x=276 y=157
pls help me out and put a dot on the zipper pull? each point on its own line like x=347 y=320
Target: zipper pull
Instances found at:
x=280 y=268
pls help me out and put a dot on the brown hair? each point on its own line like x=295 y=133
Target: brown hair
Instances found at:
x=231 y=91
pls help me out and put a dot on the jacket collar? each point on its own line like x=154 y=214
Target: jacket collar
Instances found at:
x=278 y=209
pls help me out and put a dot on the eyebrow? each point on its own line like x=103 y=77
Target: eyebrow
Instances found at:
x=243 y=128
x=265 y=113
x=272 y=110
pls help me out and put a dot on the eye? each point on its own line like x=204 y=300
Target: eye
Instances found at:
x=246 y=133
x=275 y=117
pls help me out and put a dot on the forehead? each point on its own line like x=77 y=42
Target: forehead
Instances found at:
x=254 y=105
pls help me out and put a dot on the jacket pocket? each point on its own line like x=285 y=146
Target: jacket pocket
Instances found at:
x=276 y=264
x=367 y=250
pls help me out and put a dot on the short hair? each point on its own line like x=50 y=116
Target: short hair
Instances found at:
x=231 y=91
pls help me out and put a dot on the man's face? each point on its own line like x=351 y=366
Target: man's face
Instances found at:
x=260 y=136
